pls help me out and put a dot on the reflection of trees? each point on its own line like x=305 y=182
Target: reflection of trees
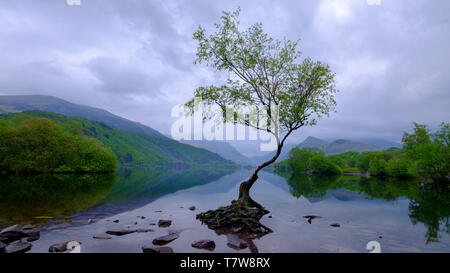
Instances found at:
x=431 y=206
x=429 y=202
x=312 y=185
x=24 y=197
x=387 y=188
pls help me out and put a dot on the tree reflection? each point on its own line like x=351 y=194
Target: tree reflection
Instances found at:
x=429 y=202
x=37 y=199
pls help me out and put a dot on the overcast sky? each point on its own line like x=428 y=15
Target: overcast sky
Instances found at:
x=135 y=58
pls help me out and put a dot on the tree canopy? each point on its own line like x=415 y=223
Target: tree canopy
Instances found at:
x=263 y=73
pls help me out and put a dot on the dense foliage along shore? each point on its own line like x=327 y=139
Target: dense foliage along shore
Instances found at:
x=41 y=145
x=424 y=154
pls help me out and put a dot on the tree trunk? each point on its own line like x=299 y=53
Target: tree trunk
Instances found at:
x=244 y=190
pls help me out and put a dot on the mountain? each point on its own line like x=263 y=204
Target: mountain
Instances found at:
x=137 y=149
x=343 y=145
x=381 y=143
x=59 y=106
x=222 y=148
x=313 y=142
x=329 y=148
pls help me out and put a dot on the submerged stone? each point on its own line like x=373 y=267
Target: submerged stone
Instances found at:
x=164 y=223
x=165 y=239
x=163 y=249
x=18 y=247
x=204 y=244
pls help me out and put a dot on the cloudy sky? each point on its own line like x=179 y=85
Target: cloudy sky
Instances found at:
x=135 y=58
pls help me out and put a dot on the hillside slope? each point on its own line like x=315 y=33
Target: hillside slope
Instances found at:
x=133 y=148
x=59 y=106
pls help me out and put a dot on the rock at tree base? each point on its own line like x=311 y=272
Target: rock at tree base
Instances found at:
x=235 y=219
x=164 y=223
x=205 y=244
x=165 y=239
x=18 y=247
x=163 y=249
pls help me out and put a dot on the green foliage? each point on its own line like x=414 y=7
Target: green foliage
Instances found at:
x=299 y=159
x=31 y=144
x=401 y=167
x=323 y=165
x=262 y=72
x=378 y=167
x=430 y=152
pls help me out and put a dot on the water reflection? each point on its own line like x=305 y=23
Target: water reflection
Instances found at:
x=82 y=198
x=37 y=199
x=429 y=203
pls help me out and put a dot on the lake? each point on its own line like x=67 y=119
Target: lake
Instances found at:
x=402 y=216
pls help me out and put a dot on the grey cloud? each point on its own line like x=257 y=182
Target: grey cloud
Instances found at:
x=134 y=58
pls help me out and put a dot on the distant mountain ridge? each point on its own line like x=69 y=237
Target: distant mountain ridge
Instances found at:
x=222 y=148
x=56 y=105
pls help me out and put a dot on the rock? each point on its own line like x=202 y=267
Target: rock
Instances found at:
x=310 y=217
x=192 y=208
x=116 y=221
x=270 y=216
x=205 y=244
x=142 y=217
x=380 y=237
x=120 y=232
x=158 y=210
x=90 y=221
x=33 y=235
x=12 y=233
x=163 y=249
x=18 y=247
x=335 y=225
x=141 y=230
x=164 y=223
x=235 y=242
x=17 y=232
x=102 y=236
x=165 y=239
x=61 y=247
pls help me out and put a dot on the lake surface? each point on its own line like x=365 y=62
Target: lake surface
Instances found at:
x=403 y=216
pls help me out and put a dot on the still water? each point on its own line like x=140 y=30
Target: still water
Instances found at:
x=402 y=216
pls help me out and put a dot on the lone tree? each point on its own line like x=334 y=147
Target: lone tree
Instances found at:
x=263 y=73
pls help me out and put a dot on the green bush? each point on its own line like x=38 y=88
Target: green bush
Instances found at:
x=323 y=165
x=378 y=167
x=30 y=144
x=401 y=167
